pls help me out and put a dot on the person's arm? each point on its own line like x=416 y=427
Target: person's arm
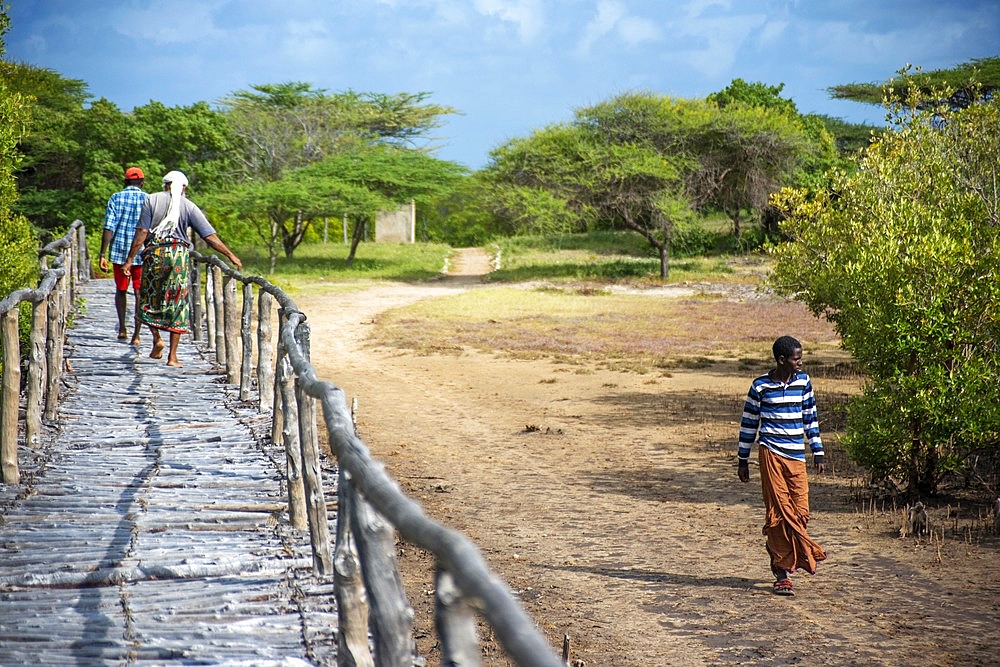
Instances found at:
x=105 y=242
x=749 y=423
x=110 y=224
x=810 y=424
x=137 y=241
x=215 y=243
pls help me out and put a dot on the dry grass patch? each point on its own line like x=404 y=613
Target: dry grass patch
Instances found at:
x=632 y=332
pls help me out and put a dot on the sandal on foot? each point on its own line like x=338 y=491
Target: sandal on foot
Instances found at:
x=783 y=587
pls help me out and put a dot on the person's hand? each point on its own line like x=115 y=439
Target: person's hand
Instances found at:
x=743 y=470
x=127 y=269
x=236 y=262
x=103 y=263
x=819 y=468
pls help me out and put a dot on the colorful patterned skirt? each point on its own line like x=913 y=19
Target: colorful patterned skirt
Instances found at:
x=163 y=296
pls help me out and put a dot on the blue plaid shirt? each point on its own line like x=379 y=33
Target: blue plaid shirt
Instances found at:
x=120 y=218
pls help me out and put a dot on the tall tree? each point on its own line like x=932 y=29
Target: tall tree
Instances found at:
x=278 y=129
x=646 y=162
x=954 y=87
x=18 y=243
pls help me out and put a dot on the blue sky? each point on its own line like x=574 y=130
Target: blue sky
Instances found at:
x=509 y=66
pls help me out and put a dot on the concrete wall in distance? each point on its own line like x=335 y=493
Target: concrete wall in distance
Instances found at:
x=399 y=226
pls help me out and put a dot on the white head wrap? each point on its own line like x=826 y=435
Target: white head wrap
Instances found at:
x=168 y=225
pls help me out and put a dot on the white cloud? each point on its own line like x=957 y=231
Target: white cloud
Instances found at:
x=526 y=15
x=180 y=23
x=634 y=30
x=613 y=18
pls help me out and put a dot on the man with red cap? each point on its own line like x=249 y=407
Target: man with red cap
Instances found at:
x=120 y=219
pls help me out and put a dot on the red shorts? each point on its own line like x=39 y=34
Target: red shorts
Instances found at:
x=121 y=280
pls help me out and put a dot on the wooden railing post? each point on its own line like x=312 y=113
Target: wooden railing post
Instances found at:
x=246 y=337
x=265 y=354
x=54 y=346
x=81 y=236
x=69 y=264
x=277 y=408
x=36 y=374
x=319 y=529
x=455 y=623
x=220 y=316
x=348 y=589
x=209 y=307
x=10 y=396
x=194 y=297
x=231 y=328
x=391 y=614
x=285 y=418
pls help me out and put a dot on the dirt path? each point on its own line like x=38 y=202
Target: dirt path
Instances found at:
x=609 y=502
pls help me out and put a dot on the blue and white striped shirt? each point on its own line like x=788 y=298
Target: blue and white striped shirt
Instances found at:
x=120 y=218
x=781 y=417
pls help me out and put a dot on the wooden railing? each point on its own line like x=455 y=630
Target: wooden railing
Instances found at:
x=371 y=507
x=370 y=503
x=52 y=301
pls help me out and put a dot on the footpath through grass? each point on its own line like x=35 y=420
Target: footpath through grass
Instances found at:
x=549 y=300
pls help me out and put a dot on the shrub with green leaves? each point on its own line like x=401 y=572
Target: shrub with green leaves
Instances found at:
x=903 y=256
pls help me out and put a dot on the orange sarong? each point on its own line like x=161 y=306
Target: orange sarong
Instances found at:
x=786 y=506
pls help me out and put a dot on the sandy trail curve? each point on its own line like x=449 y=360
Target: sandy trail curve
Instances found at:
x=609 y=503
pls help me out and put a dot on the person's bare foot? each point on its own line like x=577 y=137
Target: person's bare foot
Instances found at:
x=122 y=335
x=157 y=352
x=135 y=341
x=174 y=362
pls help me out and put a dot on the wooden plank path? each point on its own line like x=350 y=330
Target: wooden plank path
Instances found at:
x=149 y=529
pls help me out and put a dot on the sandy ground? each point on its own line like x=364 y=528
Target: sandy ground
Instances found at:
x=609 y=502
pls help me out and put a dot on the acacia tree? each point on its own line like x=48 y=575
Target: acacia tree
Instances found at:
x=903 y=256
x=646 y=162
x=955 y=87
x=281 y=128
x=372 y=178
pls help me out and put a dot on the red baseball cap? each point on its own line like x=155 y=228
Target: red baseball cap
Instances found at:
x=134 y=173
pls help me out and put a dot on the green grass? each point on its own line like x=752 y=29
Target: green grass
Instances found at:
x=328 y=262
x=615 y=257
x=594 y=258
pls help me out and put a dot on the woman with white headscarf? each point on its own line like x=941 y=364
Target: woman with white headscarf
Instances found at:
x=162 y=234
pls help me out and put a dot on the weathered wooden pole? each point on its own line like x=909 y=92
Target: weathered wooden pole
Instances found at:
x=81 y=236
x=58 y=299
x=10 y=396
x=69 y=263
x=455 y=622
x=277 y=407
x=194 y=295
x=349 y=590
x=231 y=329
x=319 y=529
x=36 y=374
x=265 y=354
x=209 y=307
x=285 y=418
x=391 y=614
x=220 y=317
x=246 y=337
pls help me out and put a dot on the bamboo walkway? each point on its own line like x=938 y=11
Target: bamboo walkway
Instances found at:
x=148 y=529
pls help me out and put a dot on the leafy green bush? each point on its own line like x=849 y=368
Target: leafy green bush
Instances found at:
x=903 y=256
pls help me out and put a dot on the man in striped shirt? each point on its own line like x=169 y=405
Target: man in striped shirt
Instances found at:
x=780 y=415
x=120 y=218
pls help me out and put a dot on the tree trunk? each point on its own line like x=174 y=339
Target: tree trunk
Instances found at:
x=359 y=230
x=664 y=261
x=272 y=251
